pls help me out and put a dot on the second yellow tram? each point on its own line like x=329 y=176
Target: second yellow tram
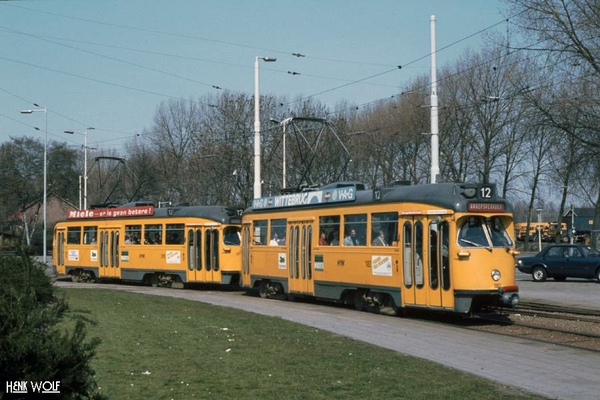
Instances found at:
x=169 y=246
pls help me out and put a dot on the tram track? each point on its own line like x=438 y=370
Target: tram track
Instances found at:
x=552 y=324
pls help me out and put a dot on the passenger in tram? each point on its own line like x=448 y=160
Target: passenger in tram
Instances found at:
x=322 y=240
x=274 y=241
x=334 y=238
x=174 y=239
x=379 y=240
x=351 y=239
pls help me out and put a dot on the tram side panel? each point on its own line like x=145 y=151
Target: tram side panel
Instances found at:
x=267 y=264
x=154 y=251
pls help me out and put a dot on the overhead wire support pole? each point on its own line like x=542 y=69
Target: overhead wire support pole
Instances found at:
x=85 y=177
x=435 y=151
x=257 y=180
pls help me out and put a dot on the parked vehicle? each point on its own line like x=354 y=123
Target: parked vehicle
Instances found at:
x=562 y=261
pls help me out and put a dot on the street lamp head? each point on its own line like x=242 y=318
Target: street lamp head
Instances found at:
x=26 y=111
x=70 y=132
x=268 y=59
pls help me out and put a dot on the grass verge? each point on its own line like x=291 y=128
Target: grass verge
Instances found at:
x=165 y=348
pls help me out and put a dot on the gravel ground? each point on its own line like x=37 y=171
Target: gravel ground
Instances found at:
x=553 y=330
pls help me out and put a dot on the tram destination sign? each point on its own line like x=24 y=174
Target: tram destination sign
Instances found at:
x=114 y=212
x=329 y=196
x=486 y=207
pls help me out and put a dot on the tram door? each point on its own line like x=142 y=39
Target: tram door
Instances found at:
x=414 y=264
x=433 y=261
x=299 y=257
x=246 y=281
x=59 y=249
x=203 y=255
x=109 y=253
x=440 y=294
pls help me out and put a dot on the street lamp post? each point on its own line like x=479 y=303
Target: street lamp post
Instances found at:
x=85 y=148
x=45 y=198
x=539 y=228
x=257 y=185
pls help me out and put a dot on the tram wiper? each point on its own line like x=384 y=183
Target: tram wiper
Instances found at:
x=471 y=243
x=489 y=248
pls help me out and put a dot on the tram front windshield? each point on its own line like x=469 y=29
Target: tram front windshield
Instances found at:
x=478 y=231
x=232 y=235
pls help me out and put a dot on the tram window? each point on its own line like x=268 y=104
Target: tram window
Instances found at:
x=90 y=233
x=433 y=255
x=499 y=235
x=153 y=234
x=231 y=235
x=418 y=254
x=444 y=237
x=133 y=233
x=355 y=230
x=386 y=223
x=174 y=234
x=407 y=254
x=330 y=225
x=260 y=232
x=278 y=232
x=472 y=234
x=74 y=235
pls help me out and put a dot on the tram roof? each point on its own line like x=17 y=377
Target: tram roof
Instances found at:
x=481 y=197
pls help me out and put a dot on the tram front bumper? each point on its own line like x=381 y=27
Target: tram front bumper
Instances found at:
x=510 y=295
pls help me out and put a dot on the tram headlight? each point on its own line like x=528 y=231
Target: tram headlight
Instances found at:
x=496 y=275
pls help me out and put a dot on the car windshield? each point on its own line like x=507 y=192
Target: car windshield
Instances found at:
x=483 y=232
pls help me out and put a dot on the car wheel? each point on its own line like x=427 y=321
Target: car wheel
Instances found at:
x=539 y=274
x=598 y=275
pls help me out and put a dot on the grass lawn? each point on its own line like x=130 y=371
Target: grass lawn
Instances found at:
x=157 y=347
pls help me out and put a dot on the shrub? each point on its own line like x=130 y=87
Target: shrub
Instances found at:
x=32 y=346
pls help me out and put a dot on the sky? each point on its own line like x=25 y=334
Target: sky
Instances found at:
x=108 y=64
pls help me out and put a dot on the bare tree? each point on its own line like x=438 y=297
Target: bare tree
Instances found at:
x=21 y=172
x=176 y=125
x=568 y=33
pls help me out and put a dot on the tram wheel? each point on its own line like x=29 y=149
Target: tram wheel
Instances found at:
x=389 y=308
x=359 y=300
x=539 y=274
x=263 y=290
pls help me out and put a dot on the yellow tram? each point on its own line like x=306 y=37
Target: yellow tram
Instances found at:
x=441 y=246
x=159 y=246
